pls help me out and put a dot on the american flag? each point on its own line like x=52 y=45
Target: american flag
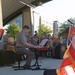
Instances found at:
x=68 y=65
x=71 y=31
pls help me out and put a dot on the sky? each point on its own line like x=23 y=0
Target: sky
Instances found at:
x=59 y=10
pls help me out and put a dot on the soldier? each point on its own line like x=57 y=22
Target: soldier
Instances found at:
x=22 y=46
x=6 y=39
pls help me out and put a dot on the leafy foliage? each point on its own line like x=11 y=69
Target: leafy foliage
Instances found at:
x=43 y=28
x=65 y=25
x=13 y=29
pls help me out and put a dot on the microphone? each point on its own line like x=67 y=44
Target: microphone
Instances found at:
x=70 y=22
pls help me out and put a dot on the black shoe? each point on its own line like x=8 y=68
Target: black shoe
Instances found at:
x=33 y=65
x=27 y=67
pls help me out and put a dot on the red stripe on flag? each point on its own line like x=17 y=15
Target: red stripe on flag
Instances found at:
x=66 y=62
x=72 y=52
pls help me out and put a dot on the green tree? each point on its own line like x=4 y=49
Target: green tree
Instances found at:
x=65 y=25
x=43 y=28
x=13 y=29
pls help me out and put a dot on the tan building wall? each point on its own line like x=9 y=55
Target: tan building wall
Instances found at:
x=1 y=20
x=27 y=18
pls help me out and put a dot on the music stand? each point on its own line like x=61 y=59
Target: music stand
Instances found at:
x=36 y=57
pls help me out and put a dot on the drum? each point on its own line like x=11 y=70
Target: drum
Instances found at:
x=10 y=48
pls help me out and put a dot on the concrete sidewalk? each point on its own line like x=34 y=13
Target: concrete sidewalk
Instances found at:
x=47 y=63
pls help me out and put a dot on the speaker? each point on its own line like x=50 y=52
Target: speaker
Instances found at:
x=1 y=58
x=50 y=72
x=8 y=57
x=59 y=51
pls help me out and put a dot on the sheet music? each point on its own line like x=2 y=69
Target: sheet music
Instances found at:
x=43 y=42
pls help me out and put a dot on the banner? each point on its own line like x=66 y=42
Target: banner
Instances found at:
x=1 y=33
